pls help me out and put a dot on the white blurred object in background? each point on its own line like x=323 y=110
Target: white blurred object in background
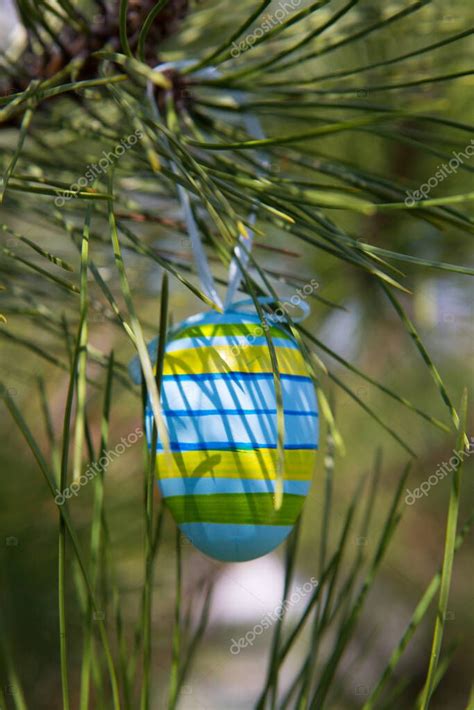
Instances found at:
x=247 y=591
x=12 y=32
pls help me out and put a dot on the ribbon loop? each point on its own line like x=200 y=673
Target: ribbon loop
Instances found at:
x=243 y=248
x=275 y=317
x=202 y=264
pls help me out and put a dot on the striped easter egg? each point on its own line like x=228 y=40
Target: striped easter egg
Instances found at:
x=219 y=406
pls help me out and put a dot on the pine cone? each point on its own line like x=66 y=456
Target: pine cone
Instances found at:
x=104 y=32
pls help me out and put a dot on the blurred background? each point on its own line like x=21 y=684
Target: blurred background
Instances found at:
x=357 y=322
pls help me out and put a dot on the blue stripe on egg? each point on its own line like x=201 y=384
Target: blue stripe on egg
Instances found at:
x=220 y=410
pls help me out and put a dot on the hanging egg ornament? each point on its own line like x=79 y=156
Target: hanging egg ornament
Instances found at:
x=219 y=406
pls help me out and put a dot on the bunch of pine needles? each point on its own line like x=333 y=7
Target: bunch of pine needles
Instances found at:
x=69 y=96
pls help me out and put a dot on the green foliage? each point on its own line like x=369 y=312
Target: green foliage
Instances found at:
x=308 y=195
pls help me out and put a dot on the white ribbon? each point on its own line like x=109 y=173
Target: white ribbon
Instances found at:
x=202 y=264
x=275 y=317
x=242 y=250
x=242 y=255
